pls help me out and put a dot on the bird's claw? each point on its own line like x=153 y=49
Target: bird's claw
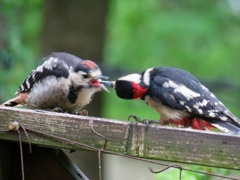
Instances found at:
x=144 y=121
x=136 y=118
x=57 y=109
x=82 y=113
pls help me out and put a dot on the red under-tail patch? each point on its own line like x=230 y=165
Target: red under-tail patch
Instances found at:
x=200 y=124
x=195 y=123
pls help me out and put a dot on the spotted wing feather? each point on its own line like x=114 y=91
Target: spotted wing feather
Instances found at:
x=180 y=90
x=57 y=64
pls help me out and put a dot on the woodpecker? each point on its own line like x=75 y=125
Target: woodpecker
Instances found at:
x=63 y=81
x=179 y=98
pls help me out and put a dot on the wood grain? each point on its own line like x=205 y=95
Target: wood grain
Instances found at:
x=148 y=142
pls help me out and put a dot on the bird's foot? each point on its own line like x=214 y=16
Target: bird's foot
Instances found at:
x=164 y=122
x=82 y=113
x=57 y=109
x=143 y=121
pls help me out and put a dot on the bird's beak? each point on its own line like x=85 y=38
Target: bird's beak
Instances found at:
x=99 y=79
x=108 y=83
x=104 y=87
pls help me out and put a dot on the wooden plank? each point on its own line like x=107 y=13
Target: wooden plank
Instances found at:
x=149 y=142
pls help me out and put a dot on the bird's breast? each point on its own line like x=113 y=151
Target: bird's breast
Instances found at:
x=49 y=93
x=85 y=96
x=165 y=112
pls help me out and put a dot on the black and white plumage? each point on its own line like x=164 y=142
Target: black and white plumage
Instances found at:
x=63 y=80
x=178 y=97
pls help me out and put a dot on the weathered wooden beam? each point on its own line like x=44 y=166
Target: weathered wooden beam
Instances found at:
x=149 y=142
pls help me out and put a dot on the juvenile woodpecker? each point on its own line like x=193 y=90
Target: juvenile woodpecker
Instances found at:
x=63 y=81
x=179 y=98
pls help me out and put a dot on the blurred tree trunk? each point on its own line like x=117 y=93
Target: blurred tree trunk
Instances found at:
x=77 y=27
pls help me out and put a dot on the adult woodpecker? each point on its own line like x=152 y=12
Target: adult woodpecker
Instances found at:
x=63 y=81
x=179 y=98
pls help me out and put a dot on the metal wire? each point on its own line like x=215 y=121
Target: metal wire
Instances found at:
x=28 y=139
x=21 y=153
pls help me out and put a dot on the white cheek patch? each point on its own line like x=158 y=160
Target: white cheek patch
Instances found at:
x=77 y=78
x=132 y=78
x=146 y=76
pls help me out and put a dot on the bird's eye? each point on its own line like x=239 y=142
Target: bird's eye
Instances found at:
x=85 y=76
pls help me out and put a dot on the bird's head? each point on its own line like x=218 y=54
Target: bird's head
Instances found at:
x=133 y=86
x=130 y=87
x=90 y=75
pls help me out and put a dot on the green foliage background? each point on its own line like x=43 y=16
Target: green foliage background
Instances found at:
x=202 y=37
x=19 y=53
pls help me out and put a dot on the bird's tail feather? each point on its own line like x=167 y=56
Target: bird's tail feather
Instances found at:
x=216 y=125
x=227 y=127
x=234 y=119
x=19 y=99
x=12 y=102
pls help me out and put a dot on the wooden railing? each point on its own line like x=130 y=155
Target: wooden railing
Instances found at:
x=127 y=138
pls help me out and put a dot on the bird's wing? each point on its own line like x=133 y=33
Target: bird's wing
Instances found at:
x=57 y=64
x=180 y=90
